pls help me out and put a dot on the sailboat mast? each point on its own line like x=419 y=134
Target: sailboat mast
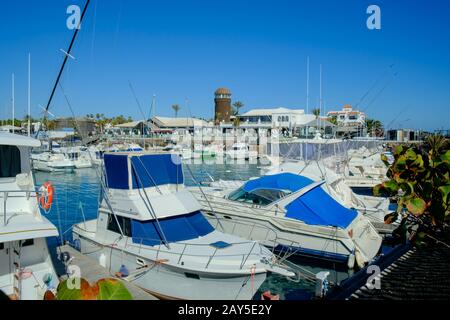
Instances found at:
x=13 y=102
x=29 y=94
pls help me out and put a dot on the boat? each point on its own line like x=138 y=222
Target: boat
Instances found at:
x=78 y=155
x=241 y=151
x=374 y=208
x=304 y=219
x=51 y=162
x=150 y=225
x=26 y=268
x=364 y=168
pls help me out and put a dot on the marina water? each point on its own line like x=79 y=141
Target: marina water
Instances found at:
x=77 y=199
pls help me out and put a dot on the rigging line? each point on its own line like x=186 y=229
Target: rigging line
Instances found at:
x=65 y=60
x=373 y=85
x=98 y=174
x=380 y=92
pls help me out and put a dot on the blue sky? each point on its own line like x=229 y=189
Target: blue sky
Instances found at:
x=182 y=50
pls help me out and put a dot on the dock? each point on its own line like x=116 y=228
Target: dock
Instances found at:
x=92 y=271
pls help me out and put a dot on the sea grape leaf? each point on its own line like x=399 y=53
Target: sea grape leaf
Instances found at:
x=66 y=293
x=112 y=289
x=416 y=206
x=445 y=190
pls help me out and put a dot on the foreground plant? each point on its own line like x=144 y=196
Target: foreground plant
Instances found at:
x=419 y=181
x=103 y=289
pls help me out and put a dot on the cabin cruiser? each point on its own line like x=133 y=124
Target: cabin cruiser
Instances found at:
x=51 y=162
x=241 y=151
x=151 y=229
x=78 y=155
x=26 y=268
x=364 y=168
x=305 y=219
x=374 y=208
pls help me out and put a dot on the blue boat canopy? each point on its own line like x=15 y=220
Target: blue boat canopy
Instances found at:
x=315 y=207
x=146 y=170
x=177 y=228
x=281 y=181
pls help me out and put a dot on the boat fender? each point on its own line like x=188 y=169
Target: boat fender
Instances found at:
x=351 y=261
x=359 y=259
x=46 y=198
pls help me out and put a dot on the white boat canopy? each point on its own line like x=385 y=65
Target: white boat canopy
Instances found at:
x=11 y=139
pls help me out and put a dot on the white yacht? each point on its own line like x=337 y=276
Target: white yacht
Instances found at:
x=51 y=162
x=26 y=269
x=364 y=168
x=151 y=229
x=374 y=208
x=241 y=151
x=78 y=155
x=305 y=220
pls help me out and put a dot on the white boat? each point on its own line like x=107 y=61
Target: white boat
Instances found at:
x=51 y=162
x=78 y=155
x=364 y=168
x=241 y=151
x=374 y=208
x=305 y=220
x=150 y=226
x=26 y=269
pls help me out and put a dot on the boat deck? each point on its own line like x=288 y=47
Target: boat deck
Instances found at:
x=92 y=271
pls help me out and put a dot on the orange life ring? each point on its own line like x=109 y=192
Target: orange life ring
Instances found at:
x=46 y=198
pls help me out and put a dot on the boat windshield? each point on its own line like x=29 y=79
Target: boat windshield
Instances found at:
x=261 y=197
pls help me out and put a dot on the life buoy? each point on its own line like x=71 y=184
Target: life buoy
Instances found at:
x=46 y=197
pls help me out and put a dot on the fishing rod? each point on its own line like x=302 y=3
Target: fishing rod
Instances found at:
x=66 y=57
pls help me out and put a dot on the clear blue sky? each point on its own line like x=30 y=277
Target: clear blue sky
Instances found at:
x=258 y=49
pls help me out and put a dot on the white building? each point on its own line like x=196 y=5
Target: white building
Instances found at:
x=349 y=121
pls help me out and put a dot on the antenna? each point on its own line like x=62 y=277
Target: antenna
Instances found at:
x=307 y=84
x=12 y=100
x=320 y=93
x=29 y=94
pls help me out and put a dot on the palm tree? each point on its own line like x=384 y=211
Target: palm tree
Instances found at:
x=176 y=108
x=237 y=105
x=316 y=112
x=375 y=127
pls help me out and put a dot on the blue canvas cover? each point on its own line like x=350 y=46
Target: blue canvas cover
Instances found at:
x=175 y=228
x=281 y=181
x=147 y=170
x=316 y=207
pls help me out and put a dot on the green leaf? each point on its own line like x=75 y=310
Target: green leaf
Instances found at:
x=416 y=206
x=66 y=293
x=410 y=154
x=112 y=289
x=445 y=190
x=384 y=158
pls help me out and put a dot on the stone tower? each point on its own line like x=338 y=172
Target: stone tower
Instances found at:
x=222 y=102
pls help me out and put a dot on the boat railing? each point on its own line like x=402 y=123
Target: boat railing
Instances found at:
x=6 y=194
x=209 y=256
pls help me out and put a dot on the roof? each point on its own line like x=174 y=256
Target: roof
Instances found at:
x=222 y=91
x=12 y=139
x=321 y=123
x=168 y=122
x=420 y=274
x=131 y=124
x=269 y=112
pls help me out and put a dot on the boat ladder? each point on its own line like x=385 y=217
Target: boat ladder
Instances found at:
x=17 y=280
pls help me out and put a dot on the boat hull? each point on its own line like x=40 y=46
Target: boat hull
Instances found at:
x=170 y=282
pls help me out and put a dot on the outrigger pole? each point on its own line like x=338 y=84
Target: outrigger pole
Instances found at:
x=66 y=56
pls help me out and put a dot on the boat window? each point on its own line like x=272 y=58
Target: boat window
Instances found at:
x=9 y=161
x=261 y=197
x=125 y=225
x=2 y=246
x=28 y=242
